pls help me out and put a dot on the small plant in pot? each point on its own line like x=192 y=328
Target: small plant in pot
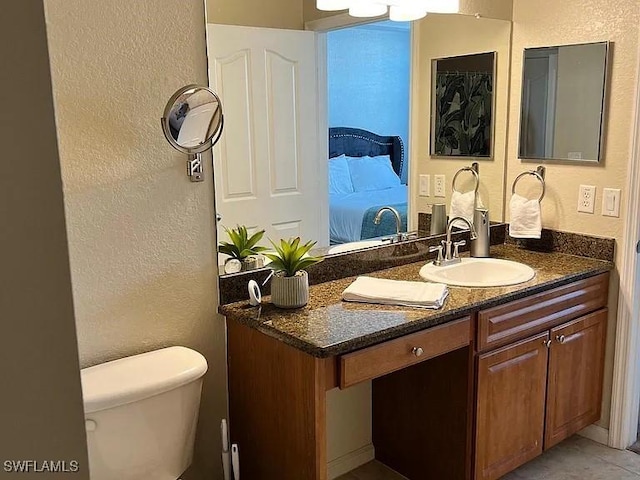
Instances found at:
x=290 y=283
x=242 y=248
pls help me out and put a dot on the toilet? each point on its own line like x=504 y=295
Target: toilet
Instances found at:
x=141 y=414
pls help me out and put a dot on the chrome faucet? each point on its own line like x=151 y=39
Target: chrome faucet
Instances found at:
x=378 y=218
x=449 y=257
x=399 y=236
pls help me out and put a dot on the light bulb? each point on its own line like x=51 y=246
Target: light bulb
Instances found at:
x=367 y=8
x=332 y=5
x=406 y=14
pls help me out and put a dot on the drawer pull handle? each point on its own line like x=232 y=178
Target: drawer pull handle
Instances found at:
x=560 y=338
x=547 y=343
x=417 y=351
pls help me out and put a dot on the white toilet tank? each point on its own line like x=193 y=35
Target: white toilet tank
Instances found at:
x=141 y=414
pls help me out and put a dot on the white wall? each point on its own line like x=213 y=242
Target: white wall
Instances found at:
x=141 y=236
x=41 y=416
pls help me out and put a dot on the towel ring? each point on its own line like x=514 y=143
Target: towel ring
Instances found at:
x=538 y=173
x=474 y=170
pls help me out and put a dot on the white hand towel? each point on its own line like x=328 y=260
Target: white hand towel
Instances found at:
x=396 y=292
x=462 y=205
x=525 y=221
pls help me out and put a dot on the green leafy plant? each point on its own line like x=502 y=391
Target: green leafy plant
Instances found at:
x=242 y=245
x=289 y=256
x=463 y=113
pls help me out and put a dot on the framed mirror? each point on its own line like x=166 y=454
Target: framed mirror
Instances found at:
x=463 y=105
x=563 y=102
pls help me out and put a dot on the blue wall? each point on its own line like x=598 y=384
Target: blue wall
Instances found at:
x=368 y=79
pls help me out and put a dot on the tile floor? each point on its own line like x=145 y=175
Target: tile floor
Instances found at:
x=574 y=459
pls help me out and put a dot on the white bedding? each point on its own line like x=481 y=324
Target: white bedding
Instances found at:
x=346 y=211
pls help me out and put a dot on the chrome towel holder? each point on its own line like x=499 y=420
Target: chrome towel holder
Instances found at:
x=539 y=173
x=474 y=169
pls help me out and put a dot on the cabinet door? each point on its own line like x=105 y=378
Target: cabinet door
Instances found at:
x=511 y=404
x=576 y=365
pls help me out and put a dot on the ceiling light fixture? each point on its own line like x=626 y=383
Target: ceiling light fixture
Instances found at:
x=406 y=14
x=399 y=10
x=367 y=8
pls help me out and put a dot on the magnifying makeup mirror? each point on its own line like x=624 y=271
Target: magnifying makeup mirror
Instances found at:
x=192 y=123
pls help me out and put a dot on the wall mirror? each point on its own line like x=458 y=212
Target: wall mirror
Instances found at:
x=563 y=102
x=272 y=165
x=462 y=105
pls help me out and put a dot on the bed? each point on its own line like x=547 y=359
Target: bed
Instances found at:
x=364 y=175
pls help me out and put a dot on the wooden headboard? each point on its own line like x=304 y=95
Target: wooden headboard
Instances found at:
x=355 y=142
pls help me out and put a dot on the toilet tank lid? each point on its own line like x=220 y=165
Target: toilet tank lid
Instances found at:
x=130 y=379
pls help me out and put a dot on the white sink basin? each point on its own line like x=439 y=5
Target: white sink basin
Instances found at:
x=348 y=247
x=479 y=272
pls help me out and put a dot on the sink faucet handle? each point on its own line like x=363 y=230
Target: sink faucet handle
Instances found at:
x=437 y=248
x=456 y=247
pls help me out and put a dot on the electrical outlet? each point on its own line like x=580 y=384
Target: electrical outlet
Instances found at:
x=425 y=180
x=587 y=198
x=439 y=186
x=611 y=202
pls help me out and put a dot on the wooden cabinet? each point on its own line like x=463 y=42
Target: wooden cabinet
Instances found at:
x=537 y=392
x=511 y=404
x=576 y=364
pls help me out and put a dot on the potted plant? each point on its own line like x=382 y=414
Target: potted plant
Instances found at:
x=290 y=283
x=242 y=248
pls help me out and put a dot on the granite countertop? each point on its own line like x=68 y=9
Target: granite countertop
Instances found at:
x=327 y=326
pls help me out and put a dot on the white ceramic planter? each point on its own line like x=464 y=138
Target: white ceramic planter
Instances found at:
x=290 y=292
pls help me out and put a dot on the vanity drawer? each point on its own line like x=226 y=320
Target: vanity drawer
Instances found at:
x=519 y=319
x=401 y=352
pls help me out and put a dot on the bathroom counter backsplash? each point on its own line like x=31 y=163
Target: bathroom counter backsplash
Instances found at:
x=327 y=326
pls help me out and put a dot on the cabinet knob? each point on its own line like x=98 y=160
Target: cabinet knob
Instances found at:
x=560 y=338
x=547 y=343
x=417 y=351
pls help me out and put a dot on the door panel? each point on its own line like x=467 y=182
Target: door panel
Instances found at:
x=511 y=401
x=576 y=365
x=268 y=170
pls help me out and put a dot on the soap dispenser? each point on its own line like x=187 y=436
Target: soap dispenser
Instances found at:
x=480 y=246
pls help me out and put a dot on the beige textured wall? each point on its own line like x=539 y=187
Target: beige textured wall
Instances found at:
x=41 y=416
x=256 y=13
x=141 y=236
x=546 y=23
x=438 y=36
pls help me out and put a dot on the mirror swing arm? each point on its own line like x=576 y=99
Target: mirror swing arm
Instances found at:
x=174 y=116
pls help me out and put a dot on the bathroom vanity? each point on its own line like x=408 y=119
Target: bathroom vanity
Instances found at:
x=470 y=391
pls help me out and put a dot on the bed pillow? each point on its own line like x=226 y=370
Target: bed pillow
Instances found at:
x=372 y=173
x=339 y=176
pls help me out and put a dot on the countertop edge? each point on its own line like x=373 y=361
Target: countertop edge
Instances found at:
x=412 y=327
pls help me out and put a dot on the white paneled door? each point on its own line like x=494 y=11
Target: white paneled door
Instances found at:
x=268 y=169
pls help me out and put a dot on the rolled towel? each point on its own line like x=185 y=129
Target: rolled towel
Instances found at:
x=462 y=205
x=396 y=292
x=525 y=221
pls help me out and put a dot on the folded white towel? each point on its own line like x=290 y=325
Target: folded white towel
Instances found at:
x=525 y=221
x=462 y=205
x=396 y=292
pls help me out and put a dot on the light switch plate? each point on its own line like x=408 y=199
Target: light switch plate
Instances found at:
x=587 y=198
x=611 y=202
x=425 y=180
x=439 y=186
